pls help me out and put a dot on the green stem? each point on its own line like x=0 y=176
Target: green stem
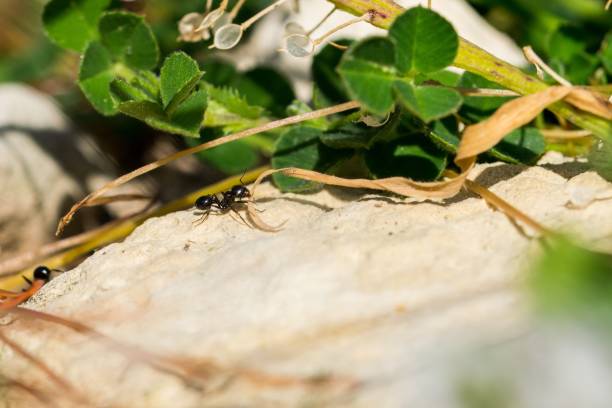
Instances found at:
x=474 y=59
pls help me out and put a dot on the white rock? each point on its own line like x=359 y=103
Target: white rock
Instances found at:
x=363 y=288
x=45 y=165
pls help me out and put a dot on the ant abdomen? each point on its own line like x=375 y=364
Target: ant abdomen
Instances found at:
x=205 y=202
x=42 y=273
x=239 y=191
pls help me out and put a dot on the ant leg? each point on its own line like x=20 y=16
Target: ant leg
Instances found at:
x=252 y=206
x=201 y=220
x=257 y=209
x=238 y=214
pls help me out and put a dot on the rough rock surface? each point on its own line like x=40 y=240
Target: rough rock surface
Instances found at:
x=365 y=291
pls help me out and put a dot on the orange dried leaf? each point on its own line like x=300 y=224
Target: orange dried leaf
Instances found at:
x=482 y=136
x=398 y=185
x=591 y=102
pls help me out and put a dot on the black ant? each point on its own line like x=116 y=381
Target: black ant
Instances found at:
x=8 y=300
x=41 y=273
x=235 y=195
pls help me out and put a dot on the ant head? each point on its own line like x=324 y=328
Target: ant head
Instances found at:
x=42 y=273
x=204 y=202
x=240 y=192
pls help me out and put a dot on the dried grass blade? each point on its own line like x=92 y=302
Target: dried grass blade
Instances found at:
x=39 y=395
x=482 y=136
x=189 y=370
x=117 y=198
x=208 y=145
x=55 y=378
x=397 y=185
x=505 y=207
x=591 y=102
x=131 y=352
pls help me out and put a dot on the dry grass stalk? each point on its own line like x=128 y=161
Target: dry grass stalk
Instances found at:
x=562 y=134
x=39 y=395
x=482 y=136
x=591 y=102
x=540 y=65
x=194 y=372
x=209 y=145
x=24 y=260
x=67 y=389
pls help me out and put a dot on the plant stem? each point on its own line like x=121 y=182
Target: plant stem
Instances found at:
x=474 y=59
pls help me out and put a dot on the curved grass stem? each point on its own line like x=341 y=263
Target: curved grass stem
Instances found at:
x=204 y=146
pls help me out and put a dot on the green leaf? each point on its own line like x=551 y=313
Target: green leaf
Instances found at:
x=414 y=157
x=179 y=75
x=186 y=119
x=300 y=147
x=125 y=91
x=605 y=54
x=573 y=282
x=579 y=70
x=350 y=136
x=325 y=75
x=260 y=86
x=424 y=41
x=230 y=158
x=265 y=87
x=218 y=73
x=129 y=39
x=360 y=136
x=477 y=108
x=95 y=77
x=73 y=24
x=368 y=73
x=444 y=77
x=522 y=146
x=189 y=115
x=428 y=102
x=149 y=82
x=298 y=107
x=445 y=134
x=234 y=103
x=600 y=158
x=566 y=42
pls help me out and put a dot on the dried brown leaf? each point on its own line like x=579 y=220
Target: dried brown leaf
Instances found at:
x=482 y=136
x=502 y=205
x=398 y=185
x=591 y=102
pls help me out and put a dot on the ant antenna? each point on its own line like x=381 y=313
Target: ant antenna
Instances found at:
x=243 y=174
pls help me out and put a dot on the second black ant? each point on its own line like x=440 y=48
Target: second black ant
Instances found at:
x=238 y=194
